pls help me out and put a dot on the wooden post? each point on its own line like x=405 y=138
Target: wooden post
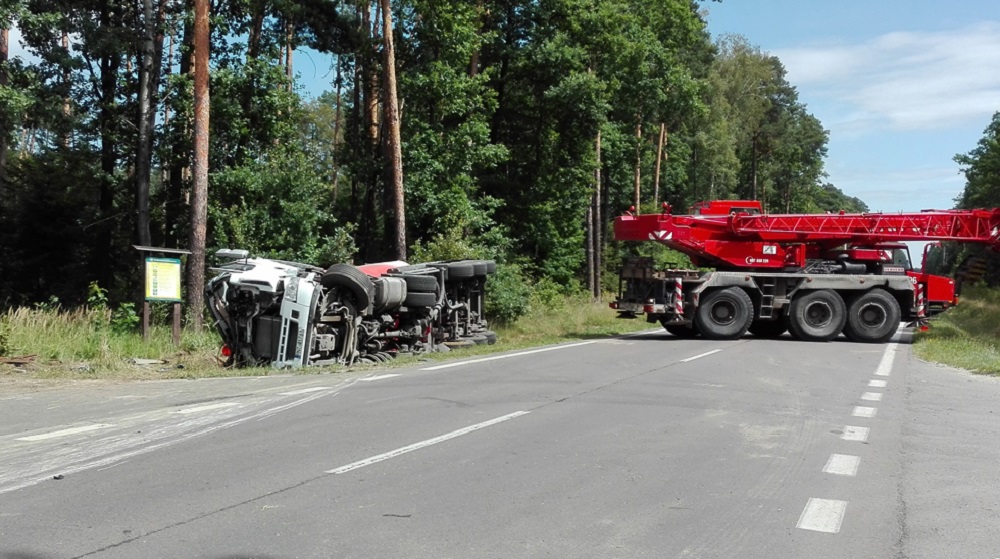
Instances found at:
x=145 y=321
x=176 y=330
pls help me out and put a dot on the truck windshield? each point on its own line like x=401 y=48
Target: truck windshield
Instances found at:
x=901 y=257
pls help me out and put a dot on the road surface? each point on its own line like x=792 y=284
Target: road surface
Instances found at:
x=639 y=446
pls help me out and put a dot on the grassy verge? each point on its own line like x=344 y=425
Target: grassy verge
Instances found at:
x=967 y=336
x=85 y=345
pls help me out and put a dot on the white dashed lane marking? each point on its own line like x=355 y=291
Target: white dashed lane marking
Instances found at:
x=872 y=396
x=852 y=433
x=305 y=391
x=700 y=355
x=822 y=515
x=842 y=465
x=424 y=444
x=862 y=411
x=66 y=432
x=506 y=356
x=874 y=383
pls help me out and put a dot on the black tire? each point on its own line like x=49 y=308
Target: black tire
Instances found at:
x=491 y=267
x=681 y=330
x=491 y=337
x=817 y=316
x=479 y=268
x=354 y=280
x=461 y=270
x=769 y=329
x=420 y=299
x=420 y=283
x=724 y=314
x=456 y=344
x=872 y=317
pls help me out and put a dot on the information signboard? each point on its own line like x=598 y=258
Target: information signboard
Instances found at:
x=163 y=279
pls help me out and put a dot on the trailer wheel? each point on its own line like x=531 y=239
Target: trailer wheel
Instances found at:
x=681 y=330
x=461 y=270
x=414 y=299
x=872 y=317
x=769 y=329
x=724 y=314
x=353 y=280
x=421 y=283
x=817 y=316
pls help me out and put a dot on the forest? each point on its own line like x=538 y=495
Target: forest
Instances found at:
x=513 y=130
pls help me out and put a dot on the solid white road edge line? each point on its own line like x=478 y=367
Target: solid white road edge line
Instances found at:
x=842 y=465
x=885 y=365
x=822 y=515
x=65 y=432
x=380 y=377
x=700 y=355
x=495 y=357
x=207 y=407
x=424 y=444
x=306 y=390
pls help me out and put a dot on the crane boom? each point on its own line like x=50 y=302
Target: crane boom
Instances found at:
x=736 y=234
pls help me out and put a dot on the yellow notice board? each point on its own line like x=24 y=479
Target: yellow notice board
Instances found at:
x=163 y=279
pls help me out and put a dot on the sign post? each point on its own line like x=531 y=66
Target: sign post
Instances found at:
x=162 y=280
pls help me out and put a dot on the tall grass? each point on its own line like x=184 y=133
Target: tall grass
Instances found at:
x=966 y=336
x=82 y=343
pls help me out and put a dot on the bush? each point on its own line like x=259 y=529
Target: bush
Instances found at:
x=508 y=294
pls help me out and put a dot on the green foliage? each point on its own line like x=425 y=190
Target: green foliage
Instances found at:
x=966 y=335
x=981 y=167
x=509 y=294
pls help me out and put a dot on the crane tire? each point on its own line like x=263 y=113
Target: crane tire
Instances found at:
x=817 y=316
x=872 y=317
x=768 y=329
x=353 y=280
x=724 y=314
x=681 y=330
x=420 y=283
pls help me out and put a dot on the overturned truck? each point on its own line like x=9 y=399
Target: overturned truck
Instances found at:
x=289 y=314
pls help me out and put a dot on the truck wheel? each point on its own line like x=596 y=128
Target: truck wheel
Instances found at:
x=872 y=317
x=353 y=280
x=420 y=299
x=817 y=316
x=461 y=270
x=681 y=330
x=420 y=283
x=769 y=329
x=724 y=314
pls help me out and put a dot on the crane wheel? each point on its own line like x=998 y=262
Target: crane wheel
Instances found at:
x=872 y=317
x=724 y=314
x=817 y=316
x=680 y=330
x=769 y=329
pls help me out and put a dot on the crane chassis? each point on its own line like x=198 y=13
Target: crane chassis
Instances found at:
x=816 y=276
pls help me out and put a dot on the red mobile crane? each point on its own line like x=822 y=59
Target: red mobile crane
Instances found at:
x=816 y=275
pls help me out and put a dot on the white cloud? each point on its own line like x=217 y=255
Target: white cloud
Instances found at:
x=908 y=80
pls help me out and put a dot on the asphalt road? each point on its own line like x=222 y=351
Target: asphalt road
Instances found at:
x=642 y=446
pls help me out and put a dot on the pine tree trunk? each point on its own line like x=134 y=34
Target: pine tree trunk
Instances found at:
x=110 y=64
x=589 y=243
x=393 y=144
x=199 y=194
x=336 y=132
x=659 y=159
x=598 y=221
x=4 y=54
x=180 y=156
x=638 y=164
x=144 y=144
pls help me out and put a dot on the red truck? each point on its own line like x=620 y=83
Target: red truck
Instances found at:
x=815 y=275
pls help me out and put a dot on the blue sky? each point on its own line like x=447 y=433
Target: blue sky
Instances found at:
x=902 y=86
